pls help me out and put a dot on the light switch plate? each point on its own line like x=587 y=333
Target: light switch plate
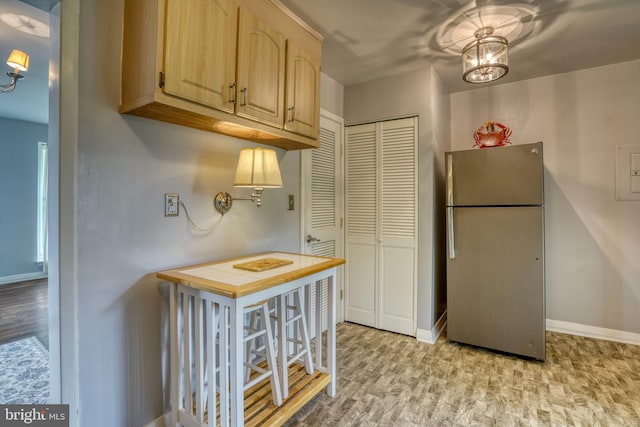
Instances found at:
x=628 y=172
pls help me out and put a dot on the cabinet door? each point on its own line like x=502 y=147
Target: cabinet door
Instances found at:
x=303 y=91
x=261 y=56
x=200 y=51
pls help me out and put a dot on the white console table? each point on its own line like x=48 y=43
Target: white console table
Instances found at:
x=203 y=296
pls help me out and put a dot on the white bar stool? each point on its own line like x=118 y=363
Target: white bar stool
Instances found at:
x=259 y=348
x=293 y=336
x=258 y=343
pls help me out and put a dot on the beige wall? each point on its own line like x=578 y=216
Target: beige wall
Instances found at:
x=592 y=240
x=331 y=95
x=440 y=107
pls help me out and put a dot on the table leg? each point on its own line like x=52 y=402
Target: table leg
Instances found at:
x=282 y=345
x=237 y=365
x=318 y=323
x=187 y=356
x=223 y=352
x=199 y=356
x=212 y=324
x=173 y=345
x=331 y=335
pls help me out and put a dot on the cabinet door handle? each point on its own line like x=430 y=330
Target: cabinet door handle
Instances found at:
x=244 y=91
x=233 y=93
x=292 y=114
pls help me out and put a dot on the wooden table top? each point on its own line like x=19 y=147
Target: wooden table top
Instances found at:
x=222 y=278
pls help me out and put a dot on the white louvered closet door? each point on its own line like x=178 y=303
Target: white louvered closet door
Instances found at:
x=322 y=198
x=361 y=224
x=398 y=195
x=381 y=199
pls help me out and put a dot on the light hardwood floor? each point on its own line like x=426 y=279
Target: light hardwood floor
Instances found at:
x=386 y=379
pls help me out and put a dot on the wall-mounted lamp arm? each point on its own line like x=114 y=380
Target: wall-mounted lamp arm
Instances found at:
x=223 y=201
x=11 y=85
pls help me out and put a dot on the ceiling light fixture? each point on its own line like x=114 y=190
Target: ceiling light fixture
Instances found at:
x=19 y=61
x=486 y=58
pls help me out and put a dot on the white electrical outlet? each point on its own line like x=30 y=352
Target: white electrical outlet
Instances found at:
x=171 y=204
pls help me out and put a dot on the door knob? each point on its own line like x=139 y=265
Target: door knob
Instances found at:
x=310 y=238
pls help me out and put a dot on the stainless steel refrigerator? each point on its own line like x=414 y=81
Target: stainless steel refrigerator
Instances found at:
x=495 y=249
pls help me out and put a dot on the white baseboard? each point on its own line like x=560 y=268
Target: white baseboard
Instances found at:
x=161 y=421
x=430 y=336
x=593 y=332
x=22 y=277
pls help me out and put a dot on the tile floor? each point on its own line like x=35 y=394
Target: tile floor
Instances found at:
x=386 y=379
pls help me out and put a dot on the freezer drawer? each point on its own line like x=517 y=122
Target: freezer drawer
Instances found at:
x=495 y=278
x=499 y=176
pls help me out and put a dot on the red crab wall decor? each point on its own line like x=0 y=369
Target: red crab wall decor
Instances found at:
x=492 y=134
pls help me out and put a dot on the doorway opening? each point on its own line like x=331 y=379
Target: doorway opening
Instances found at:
x=27 y=297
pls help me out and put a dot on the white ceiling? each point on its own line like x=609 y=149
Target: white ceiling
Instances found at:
x=367 y=39
x=30 y=99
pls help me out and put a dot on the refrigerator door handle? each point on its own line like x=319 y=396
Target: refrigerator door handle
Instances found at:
x=449 y=179
x=451 y=233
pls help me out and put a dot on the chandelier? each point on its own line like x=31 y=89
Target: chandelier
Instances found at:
x=486 y=58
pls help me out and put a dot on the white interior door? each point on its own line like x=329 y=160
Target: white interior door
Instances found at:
x=321 y=225
x=361 y=188
x=398 y=226
x=381 y=215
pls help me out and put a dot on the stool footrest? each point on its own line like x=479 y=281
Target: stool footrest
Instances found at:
x=254 y=336
x=295 y=341
x=293 y=319
x=256 y=380
x=297 y=356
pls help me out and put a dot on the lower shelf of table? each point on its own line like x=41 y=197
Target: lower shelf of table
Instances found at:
x=259 y=409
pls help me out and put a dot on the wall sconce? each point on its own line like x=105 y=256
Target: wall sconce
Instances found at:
x=19 y=61
x=258 y=169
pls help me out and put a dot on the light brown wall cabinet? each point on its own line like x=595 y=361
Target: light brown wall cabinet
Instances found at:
x=245 y=68
x=303 y=91
x=261 y=62
x=200 y=53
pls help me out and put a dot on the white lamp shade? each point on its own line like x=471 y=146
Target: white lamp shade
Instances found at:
x=18 y=59
x=258 y=167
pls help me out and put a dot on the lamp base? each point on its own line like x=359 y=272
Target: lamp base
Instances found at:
x=223 y=202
